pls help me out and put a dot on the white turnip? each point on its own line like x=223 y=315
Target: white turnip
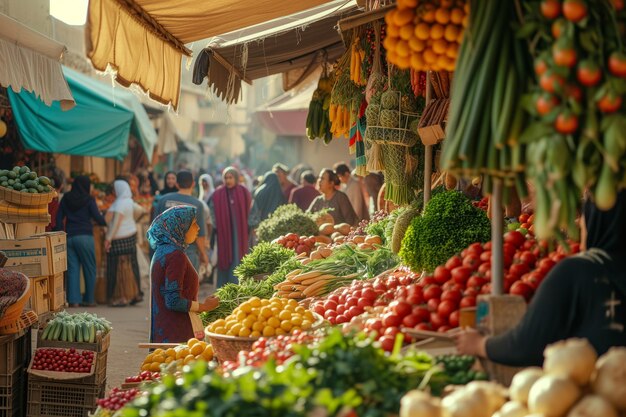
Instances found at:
x=522 y=382
x=610 y=379
x=552 y=395
x=593 y=406
x=572 y=358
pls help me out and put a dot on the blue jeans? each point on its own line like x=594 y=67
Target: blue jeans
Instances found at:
x=81 y=252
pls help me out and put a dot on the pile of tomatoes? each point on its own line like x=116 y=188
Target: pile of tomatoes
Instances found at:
x=345 y=303
x=300 y=244
x=434 y=302
x=117 y=398
x=143 y=376
x=279 y=349
x=63 y=360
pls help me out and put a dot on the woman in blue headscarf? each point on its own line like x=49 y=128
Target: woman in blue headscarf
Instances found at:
x=173 y=278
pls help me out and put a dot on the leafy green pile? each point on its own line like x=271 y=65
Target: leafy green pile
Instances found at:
x=448 y=224
x=286 y=219
x=340 y=374
x=264 y=259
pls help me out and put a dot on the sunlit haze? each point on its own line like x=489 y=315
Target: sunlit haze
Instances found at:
x=72 y=12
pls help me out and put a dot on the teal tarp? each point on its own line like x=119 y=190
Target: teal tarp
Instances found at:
x=99 y=124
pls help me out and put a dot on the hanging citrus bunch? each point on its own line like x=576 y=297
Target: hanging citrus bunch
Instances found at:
x=426 y=35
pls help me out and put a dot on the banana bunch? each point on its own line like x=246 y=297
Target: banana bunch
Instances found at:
x=80 y=328
x=357 y=55
x=317 y=121
x=340 y=120
x=301 y=285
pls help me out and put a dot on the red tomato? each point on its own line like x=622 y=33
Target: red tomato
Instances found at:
x=374 y=324
x=609 y=103
x=588 y=74
x=564 y=55
x=454 y=318
x=405 y=280
x=392 y=331
x=522 y=289
x=452 y=295
x=475 y=248
x=330 y=305
x=484 y=268
x=566 y=123
x=340 y=319
x=393 y=282
x=545 y=265
x=451 y=285
x=410 y=321
x=433 y=304
x=471 y=292
x=574 y=10
x=468 y=301
x=550 y=9
x=617 y=64
x=618 y=4
x=387 y=343
x=453 y=262
x=369 y=294
x=355 y=311
x=444 y=329
x=528 y=258
x=415 y=299
x=432 y=291
x=352 y=301
x=545 y=103
x=486 y=289
x=319 y=309
x=291 y=236
x=341 y=309
x=461 y=274
x=515 y=238
x=533 y=279
x=446 y=308
x=330 y=315
x=549 y=81
x=437 y=321
x=471 y=261
x=424 y=326
x=442 y=275
x=540 y=66
x=476 y=282
x=427 y=280
x=391 y=320
x=400 y=308
x=485 y=256
x=421 y=313
x=517 y=270
x=364 y=302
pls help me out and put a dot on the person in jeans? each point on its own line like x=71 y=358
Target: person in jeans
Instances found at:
x=76 y=214
x=183 y=197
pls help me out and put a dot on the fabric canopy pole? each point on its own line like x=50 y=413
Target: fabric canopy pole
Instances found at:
x=143 y=40
x=99 y=125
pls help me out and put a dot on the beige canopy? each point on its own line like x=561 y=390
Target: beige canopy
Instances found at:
x=144 y=40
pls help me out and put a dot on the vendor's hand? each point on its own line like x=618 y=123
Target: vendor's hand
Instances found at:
x=204 y=258
x=107 y=246
x=210 y=303
x=471 y=342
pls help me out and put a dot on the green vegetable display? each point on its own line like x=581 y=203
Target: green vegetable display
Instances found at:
x=264 y=258
x=459 y=369
x=24 y=180
x=340 y=374
x=449 y=224
x=80 y=327
x=286 y=219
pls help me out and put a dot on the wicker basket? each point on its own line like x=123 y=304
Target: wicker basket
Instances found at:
x=227 y=348
x=26 y=199
x=27 y=319
x=13 y=313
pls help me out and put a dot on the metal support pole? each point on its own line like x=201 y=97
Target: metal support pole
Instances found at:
x=428 y=150
x=497 y=255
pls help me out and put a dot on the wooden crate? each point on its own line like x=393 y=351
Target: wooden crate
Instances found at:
x=56 y=289
x=40 y=300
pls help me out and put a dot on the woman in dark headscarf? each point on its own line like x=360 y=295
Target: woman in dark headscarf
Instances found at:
x=267 y=197
x=231 y=207
x=583 y=296
x=169 y=183
x=76 y=212
x=174 y=280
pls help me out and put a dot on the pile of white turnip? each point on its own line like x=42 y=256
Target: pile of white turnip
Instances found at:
x=572 y=383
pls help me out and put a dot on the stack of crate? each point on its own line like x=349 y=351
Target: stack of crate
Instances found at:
x=69 y=397
x=15 y=353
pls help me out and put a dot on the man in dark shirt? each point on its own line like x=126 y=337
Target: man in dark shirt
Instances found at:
x=303 y=195
x=283 y=178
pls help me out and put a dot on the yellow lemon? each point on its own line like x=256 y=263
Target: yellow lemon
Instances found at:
x=274 y=322
x=219 y=323
x=241 y=316
x=146 y=366
x=306 y=324
x=280 y=332
x=235 y=329
x=266 y=312
x=285 y=315
x=189 y=359
x=169 y=359
x=170 y=353
x=244 y=332
x=309 y=316
x=249 y=322
x=149 y=358
x=296 y=320
x=155 y=367
x=286 y=325
x=208 y=353
x=160 y=358
x=182 y=353
x=289 y=308
x=192 y=341
x=255 y=334
x=246 y=307
x=276 y=311
x=196 y=349
x=300 y=310
x=158 y=351
x=258 y=326
x=268 y=331
x=220 y=330
x=292 y=302
x=264 y=302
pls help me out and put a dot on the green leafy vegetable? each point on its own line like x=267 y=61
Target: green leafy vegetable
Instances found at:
x=264 y=259
x=286 y=219
x=448 y=224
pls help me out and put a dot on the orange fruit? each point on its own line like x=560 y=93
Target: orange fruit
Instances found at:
x=146 y=366
x=446 y=3
x=182 y=353
x=392 y=56
x=422 y=31
x=442 y=16
x=437 y=31
x=403 y=16
x=196 y=350
x=406 y=33
x=442 y=61
x=459 y=38
x=390 y=43
x=192 y=341
x=429 y=14
x=285 y=315
x=466 y=8
x=274 y=322
x=280 y=332
x=404 y=4
x=456 y=16
x=429 y=56
x=300 y=310
x=416 y=45
x=296 y=320
x=465 y=21
x=440 y=46
x=244 y=332
x=268 y=331
x=188 y=359
x=393 y=30
x=208 y=353
x=155 y=367
x=402 y=49
x=417 y=63
x=389 y=17
x=306 y=324
x=451 y=33
x=266 y=312
x=452 y=50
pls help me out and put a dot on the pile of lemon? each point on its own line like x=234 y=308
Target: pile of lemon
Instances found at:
x=257 y=317
x=193 y=350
